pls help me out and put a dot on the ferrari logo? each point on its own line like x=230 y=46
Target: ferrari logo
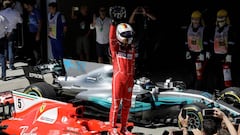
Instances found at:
x=42 y=107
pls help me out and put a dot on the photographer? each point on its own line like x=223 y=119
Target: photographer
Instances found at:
x=210 y=124
x=142 y=20
x=183 y=122
x=225 y=121
x=183 y=118
x=238 y=132
x=143 y=11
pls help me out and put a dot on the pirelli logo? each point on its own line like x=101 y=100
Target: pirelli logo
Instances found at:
x=125 y=55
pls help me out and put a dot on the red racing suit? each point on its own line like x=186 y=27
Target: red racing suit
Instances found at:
x=123 y=61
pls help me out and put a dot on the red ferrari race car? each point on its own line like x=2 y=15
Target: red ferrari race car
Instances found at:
x=24 y=114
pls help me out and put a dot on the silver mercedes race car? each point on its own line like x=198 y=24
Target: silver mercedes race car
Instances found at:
x=153 y=103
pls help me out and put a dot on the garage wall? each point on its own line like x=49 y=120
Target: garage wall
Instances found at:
x=171 y=16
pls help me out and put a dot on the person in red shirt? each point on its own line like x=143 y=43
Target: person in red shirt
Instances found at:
x=123 y=61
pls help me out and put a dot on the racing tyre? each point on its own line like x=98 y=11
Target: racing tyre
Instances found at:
x=41 y=89
x=231 y=96
x=195 y=117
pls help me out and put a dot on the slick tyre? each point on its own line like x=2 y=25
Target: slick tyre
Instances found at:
x=195 y=117
x=231 y=96
x=41 y=89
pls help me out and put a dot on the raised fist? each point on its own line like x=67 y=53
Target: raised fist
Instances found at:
x=117 y=13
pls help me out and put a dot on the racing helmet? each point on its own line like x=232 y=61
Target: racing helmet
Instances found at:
x=222 y=18
x=124 y=33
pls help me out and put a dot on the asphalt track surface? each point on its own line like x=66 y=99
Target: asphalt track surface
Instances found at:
x=17 y=81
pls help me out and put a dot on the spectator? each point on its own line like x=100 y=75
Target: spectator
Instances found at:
x=196 y=46
x=34 y=29
x=83 y=21
x=223 y=132
x=3 y=31
x=123 y=60
x=226 y=120
x=14 y=18
x=102 y=26
x=210 y=125
x=142 y=20
x=56 y=30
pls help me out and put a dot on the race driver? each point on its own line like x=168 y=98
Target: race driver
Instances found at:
x=123 y=61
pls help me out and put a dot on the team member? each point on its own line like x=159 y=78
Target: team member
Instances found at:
x=57 y=29
x=123 y=61
x=102 y=25
x=3 y=31
x=223 y=45
x=14 y=18
x=196 y=44
x=34 y=29
x=82 y=20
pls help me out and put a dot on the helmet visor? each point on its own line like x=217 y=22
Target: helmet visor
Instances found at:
x=127 y=34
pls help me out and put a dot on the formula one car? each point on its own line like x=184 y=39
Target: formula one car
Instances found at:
x=26 y=114
x=153 y=103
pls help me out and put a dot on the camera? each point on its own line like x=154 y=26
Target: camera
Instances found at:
x=237 y=120
x=236 y=123
x=139 y=10
x=184 y=113
x=208 y=112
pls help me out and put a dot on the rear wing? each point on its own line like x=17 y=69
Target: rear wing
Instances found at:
x=36 y=73
x=71 y=67
x=33 y=74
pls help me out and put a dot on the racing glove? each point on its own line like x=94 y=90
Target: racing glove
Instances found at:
x=117 y=13
x=208 y=55
x=201 y=57
x=228 y=58
x=188 y=55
